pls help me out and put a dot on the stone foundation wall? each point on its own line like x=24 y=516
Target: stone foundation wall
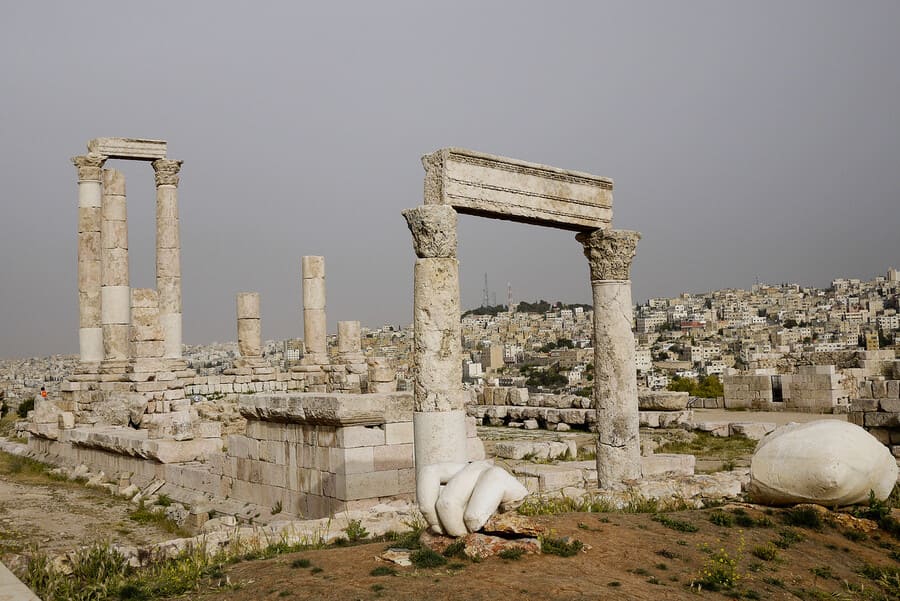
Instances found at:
x=878 y=408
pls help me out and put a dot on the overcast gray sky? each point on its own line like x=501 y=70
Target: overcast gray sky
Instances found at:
x=753 y=140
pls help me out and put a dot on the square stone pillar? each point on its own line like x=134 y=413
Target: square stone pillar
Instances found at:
x=609 y=253
x=168 y=254
x=90 y=333
x=439 y=423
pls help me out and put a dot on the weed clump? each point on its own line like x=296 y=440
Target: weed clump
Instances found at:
x=804 y=517
x=675 y=524
x=425 y=558
x=564 y=547
x=513 y=554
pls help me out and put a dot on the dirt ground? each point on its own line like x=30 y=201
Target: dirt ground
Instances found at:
x=56 y=517
x=627 y=556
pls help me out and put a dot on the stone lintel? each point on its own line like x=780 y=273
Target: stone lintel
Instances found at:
x=328 y=409
x=502 y=188
x=128 y=148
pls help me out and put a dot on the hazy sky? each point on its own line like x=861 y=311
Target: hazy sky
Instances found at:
x=753 y=140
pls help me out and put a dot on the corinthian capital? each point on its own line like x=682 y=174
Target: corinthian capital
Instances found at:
x=89 y=166
x=609 y=252
x=166 y=171
x=434 y=230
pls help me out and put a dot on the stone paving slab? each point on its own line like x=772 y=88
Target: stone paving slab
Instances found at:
x=12 y=589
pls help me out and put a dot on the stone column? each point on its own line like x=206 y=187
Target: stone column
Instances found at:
x=90 y=333
x=314 y=321
x=609 y=253
x=115 y=290
x=248 y=325
x=439 y=421
x=168 y=254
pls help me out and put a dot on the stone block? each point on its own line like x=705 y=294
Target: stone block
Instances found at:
x=889 y=405
x=398 y=433
x=893 y=389
x=530 y=424
x=360 y=436
x=864 y=405
x=667 y=464
x=242 y=447
x=879 y=389
x=368 y=485
x=751 y=430
x=359 y=460
x=393 y=457
x=882 y=420
x=715 y=428
x=856 y=417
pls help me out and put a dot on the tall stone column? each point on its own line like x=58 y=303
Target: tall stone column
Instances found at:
x=439 y=419
x=115 y=290
x=168 y=254
x=609 y=253
x=314 y=320
x=90 y=332
x=248 y=325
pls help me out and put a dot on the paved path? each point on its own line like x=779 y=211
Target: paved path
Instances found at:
x=11 y=589
x=775 y=417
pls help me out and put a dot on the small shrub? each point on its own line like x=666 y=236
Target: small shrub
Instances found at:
x=301 y=562
x=720 y=518
x=788 y=537
x=513 y=554
x=426 y=558
x=355 y=531
x=456 y=549
x=564 y=547
x=804 y=517
x=24 y=407
x=822 y=572
x=377 y=588
x=164 y=500
x=771 y=580
x=719 y=572
x=383 y=571
x=855 y=535
x=668 y=554
x=675 y=524
x=766 y=552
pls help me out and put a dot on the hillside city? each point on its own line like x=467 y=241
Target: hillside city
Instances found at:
x=769 y=329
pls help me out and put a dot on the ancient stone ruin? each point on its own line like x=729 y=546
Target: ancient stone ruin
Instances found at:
x=330 y=432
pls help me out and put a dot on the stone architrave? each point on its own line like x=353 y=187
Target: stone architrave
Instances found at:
x=90 y=332
x=314 y=320
x=502 y=188
x=168 y=254
x=248 y=325
x=439 y=417
x=115 y=290
x=609 y=253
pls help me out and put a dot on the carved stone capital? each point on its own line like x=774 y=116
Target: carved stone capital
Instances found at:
x=434 y=230
x=89 y=166
x=609 y=252
x=166 y=171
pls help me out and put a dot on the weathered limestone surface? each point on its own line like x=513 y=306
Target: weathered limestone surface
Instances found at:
x=828 y=462
x=248 y=324
x=90 y=334
x=168 y=252
x=609 y=253
x=662 y=400
x=314 y=318
x=503 y=188
x=434 y=231
x=128 y=148
x=115 y=293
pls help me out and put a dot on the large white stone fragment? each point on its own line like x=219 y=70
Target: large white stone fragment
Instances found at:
x=828 y=462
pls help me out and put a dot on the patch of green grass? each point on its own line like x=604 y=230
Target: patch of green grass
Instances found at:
x=513 y=554
x=804 y=517
x=143 y=515
x=662 y=566
x=377 y=588
x=383 y=571
x=301 y=562
x=772 y=581
x=886 y=577
x=456 y=549
x=675 y=524
x=706 y=446
x=788 y=537
x=855 y=535
x=564 y=547
x=720 y=518
x=822 y=572
x=425 y=558
x=164 y=500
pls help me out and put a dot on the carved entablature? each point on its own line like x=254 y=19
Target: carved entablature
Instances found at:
x=89 y=166
x=491 y=186
x=609 y=253
x=434 y=230
x=166 y=171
